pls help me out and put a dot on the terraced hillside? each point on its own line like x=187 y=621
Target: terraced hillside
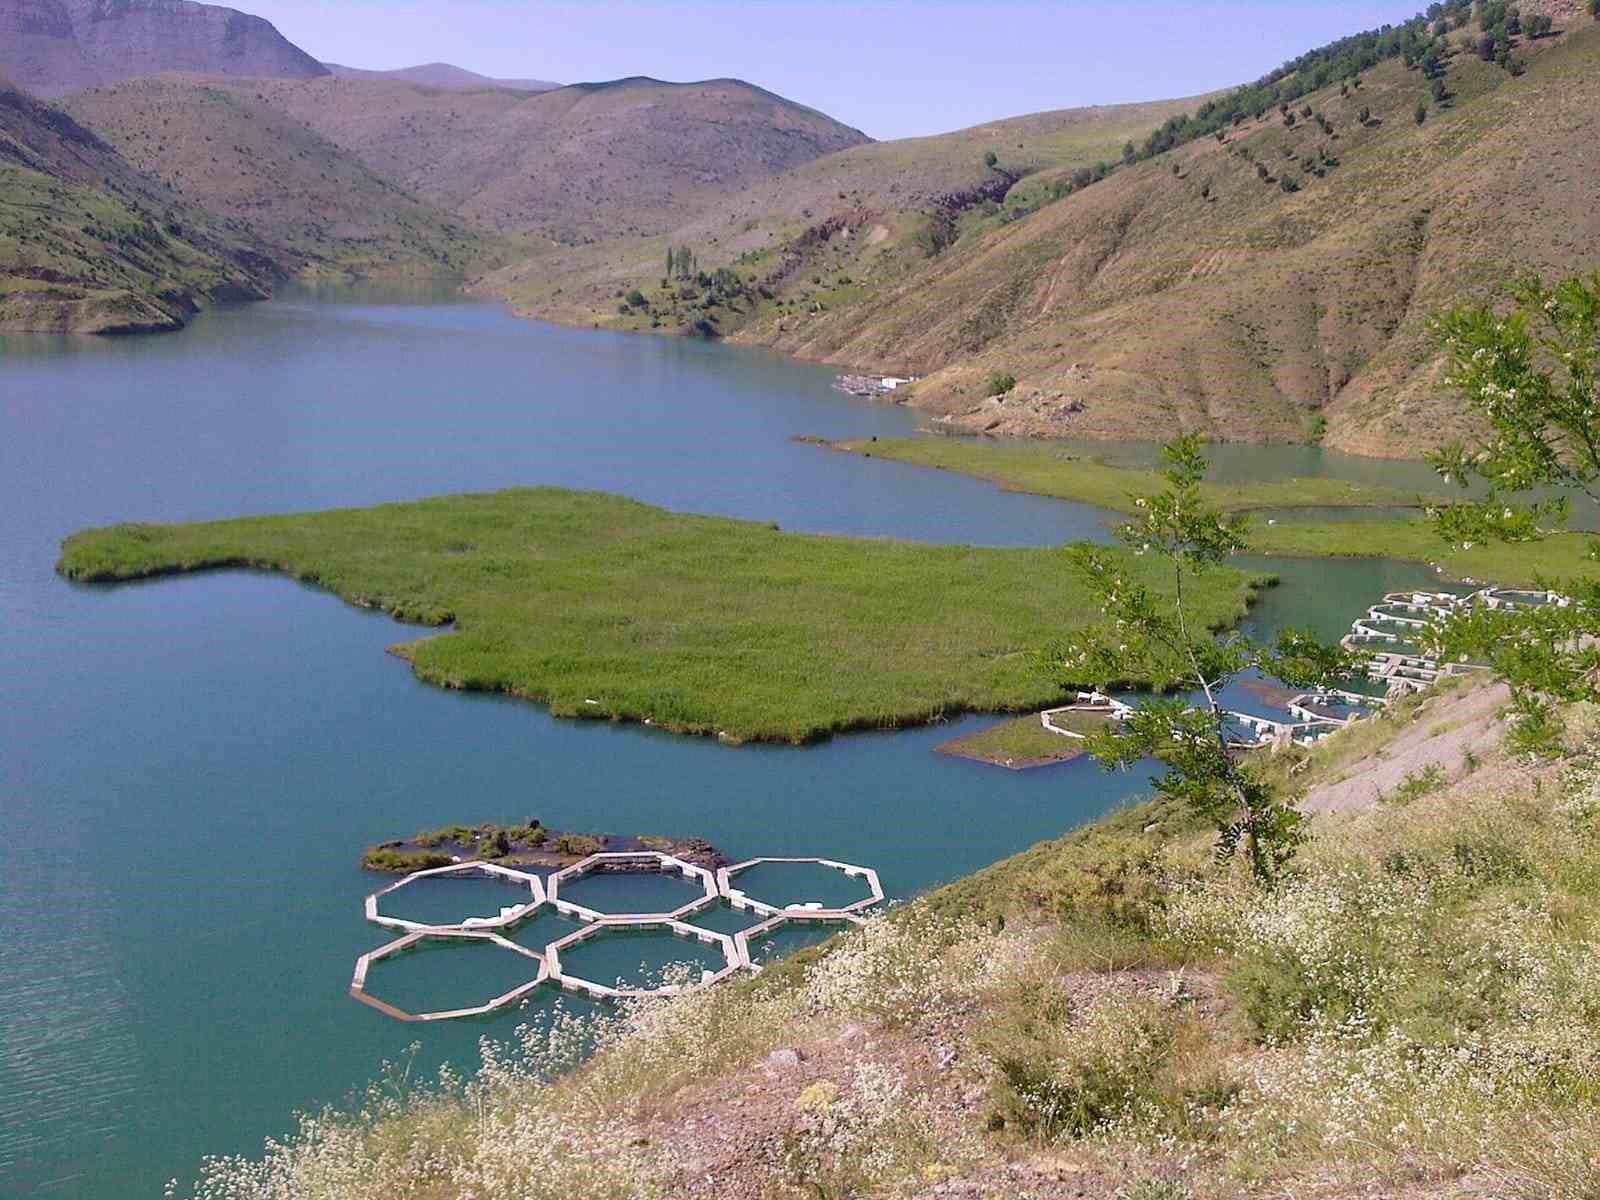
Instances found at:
x=594 y=160
x=310 y=205
x=88 y=244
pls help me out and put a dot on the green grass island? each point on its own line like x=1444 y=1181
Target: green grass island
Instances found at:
x=600 y=606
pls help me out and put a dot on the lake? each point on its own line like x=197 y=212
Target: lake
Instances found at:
x=190 y=768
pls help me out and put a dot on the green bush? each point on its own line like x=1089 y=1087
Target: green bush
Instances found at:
x=999 y=385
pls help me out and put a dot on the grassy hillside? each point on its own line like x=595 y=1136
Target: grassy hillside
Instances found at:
x=836 y=227
x=88 y=244
x=1194 y=290
x=604 y=607
x=1110 y=1014
x=625 y=158
x=312 y=206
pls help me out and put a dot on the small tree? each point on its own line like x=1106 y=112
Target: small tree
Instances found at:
x=990 y=159
x=1422 y=113
x=999 y=384
x=1533 y=377
x=1150 y=636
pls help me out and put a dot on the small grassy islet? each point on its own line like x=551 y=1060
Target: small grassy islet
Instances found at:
x=604 y=607
x=1024 y=742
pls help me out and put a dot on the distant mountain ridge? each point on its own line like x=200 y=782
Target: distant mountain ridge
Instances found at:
x=580 y=163
x=54 y=47
x=444 y=76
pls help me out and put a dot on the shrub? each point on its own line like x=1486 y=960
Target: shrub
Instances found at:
x=1417 y=784
x=999 y=384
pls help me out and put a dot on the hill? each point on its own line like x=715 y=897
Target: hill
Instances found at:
x=310 y=205
x=1269 y=286
x=1270 y=283
x=589 y=161
x=89 y=244
x=442 y=75
x=869 y=212
x=53 y=47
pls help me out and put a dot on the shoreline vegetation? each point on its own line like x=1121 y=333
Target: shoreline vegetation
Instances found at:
x=530 y=844
x=1045 y=470
x=603 y=607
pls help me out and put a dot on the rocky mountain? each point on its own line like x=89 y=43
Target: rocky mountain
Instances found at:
x=445 y=76
x=53 y=47
x=89 y=244
x=626 y=158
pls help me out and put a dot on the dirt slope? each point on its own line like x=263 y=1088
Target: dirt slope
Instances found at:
x=309 y=204
x=88 y=244
x=53 y=47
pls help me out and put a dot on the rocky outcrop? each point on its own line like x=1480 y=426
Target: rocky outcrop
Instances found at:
x=53 y=47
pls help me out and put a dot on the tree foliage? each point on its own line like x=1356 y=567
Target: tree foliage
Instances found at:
x=1146 y=635
x=1340 y=61
x=1533 y=377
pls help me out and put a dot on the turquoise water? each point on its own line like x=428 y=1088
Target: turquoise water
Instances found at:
x=190 y=768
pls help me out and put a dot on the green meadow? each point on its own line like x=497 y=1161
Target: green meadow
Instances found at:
x=1049 y=471
x=600 y=606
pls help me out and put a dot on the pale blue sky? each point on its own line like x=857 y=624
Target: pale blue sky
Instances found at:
x=893 y=69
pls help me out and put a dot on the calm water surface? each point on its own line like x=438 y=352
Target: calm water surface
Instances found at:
x=189 y=768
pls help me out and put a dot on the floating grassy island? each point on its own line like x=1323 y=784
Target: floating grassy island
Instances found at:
x=600 y=606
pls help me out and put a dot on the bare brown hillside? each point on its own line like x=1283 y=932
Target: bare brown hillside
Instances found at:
x=1193 y=290
x=88 y=244
x=634 y=156
x=53 y=47
x=861 y=214
x=309 y=204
